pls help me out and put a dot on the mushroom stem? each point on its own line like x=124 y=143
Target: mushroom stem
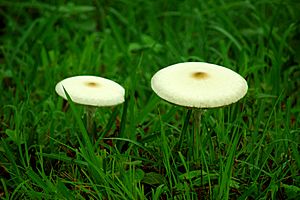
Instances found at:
x=197 y=145
x=90 y=114
x=198 y=141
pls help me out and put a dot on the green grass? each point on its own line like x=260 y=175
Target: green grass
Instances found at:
x=143 y=148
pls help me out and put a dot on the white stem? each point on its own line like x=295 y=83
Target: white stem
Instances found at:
x=90 y=115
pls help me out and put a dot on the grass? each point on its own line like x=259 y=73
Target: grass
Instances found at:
x=248 y=150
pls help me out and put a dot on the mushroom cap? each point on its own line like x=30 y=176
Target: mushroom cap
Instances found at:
x=91 y=90
x=199 y=85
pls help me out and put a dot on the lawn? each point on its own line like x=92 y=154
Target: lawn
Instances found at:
x=147 y=148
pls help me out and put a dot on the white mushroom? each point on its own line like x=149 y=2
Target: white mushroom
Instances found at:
x=199 y=85
x=91 y=90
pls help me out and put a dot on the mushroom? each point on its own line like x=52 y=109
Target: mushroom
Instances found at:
x=198 y=85
x=91 y=91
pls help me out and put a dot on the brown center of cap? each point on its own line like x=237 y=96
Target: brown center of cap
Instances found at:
x=92 y=84
x=199 y=75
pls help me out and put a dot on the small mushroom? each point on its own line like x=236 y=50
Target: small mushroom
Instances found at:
x=198 y=85
x=91 y=91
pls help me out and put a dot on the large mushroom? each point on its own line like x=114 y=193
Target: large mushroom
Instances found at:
x=91 y=91
x=198 y=85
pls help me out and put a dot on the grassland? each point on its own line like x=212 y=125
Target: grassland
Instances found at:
x=248 y=150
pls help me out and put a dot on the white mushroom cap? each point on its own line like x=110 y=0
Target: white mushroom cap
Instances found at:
x=91 y=90
x=199 y=84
